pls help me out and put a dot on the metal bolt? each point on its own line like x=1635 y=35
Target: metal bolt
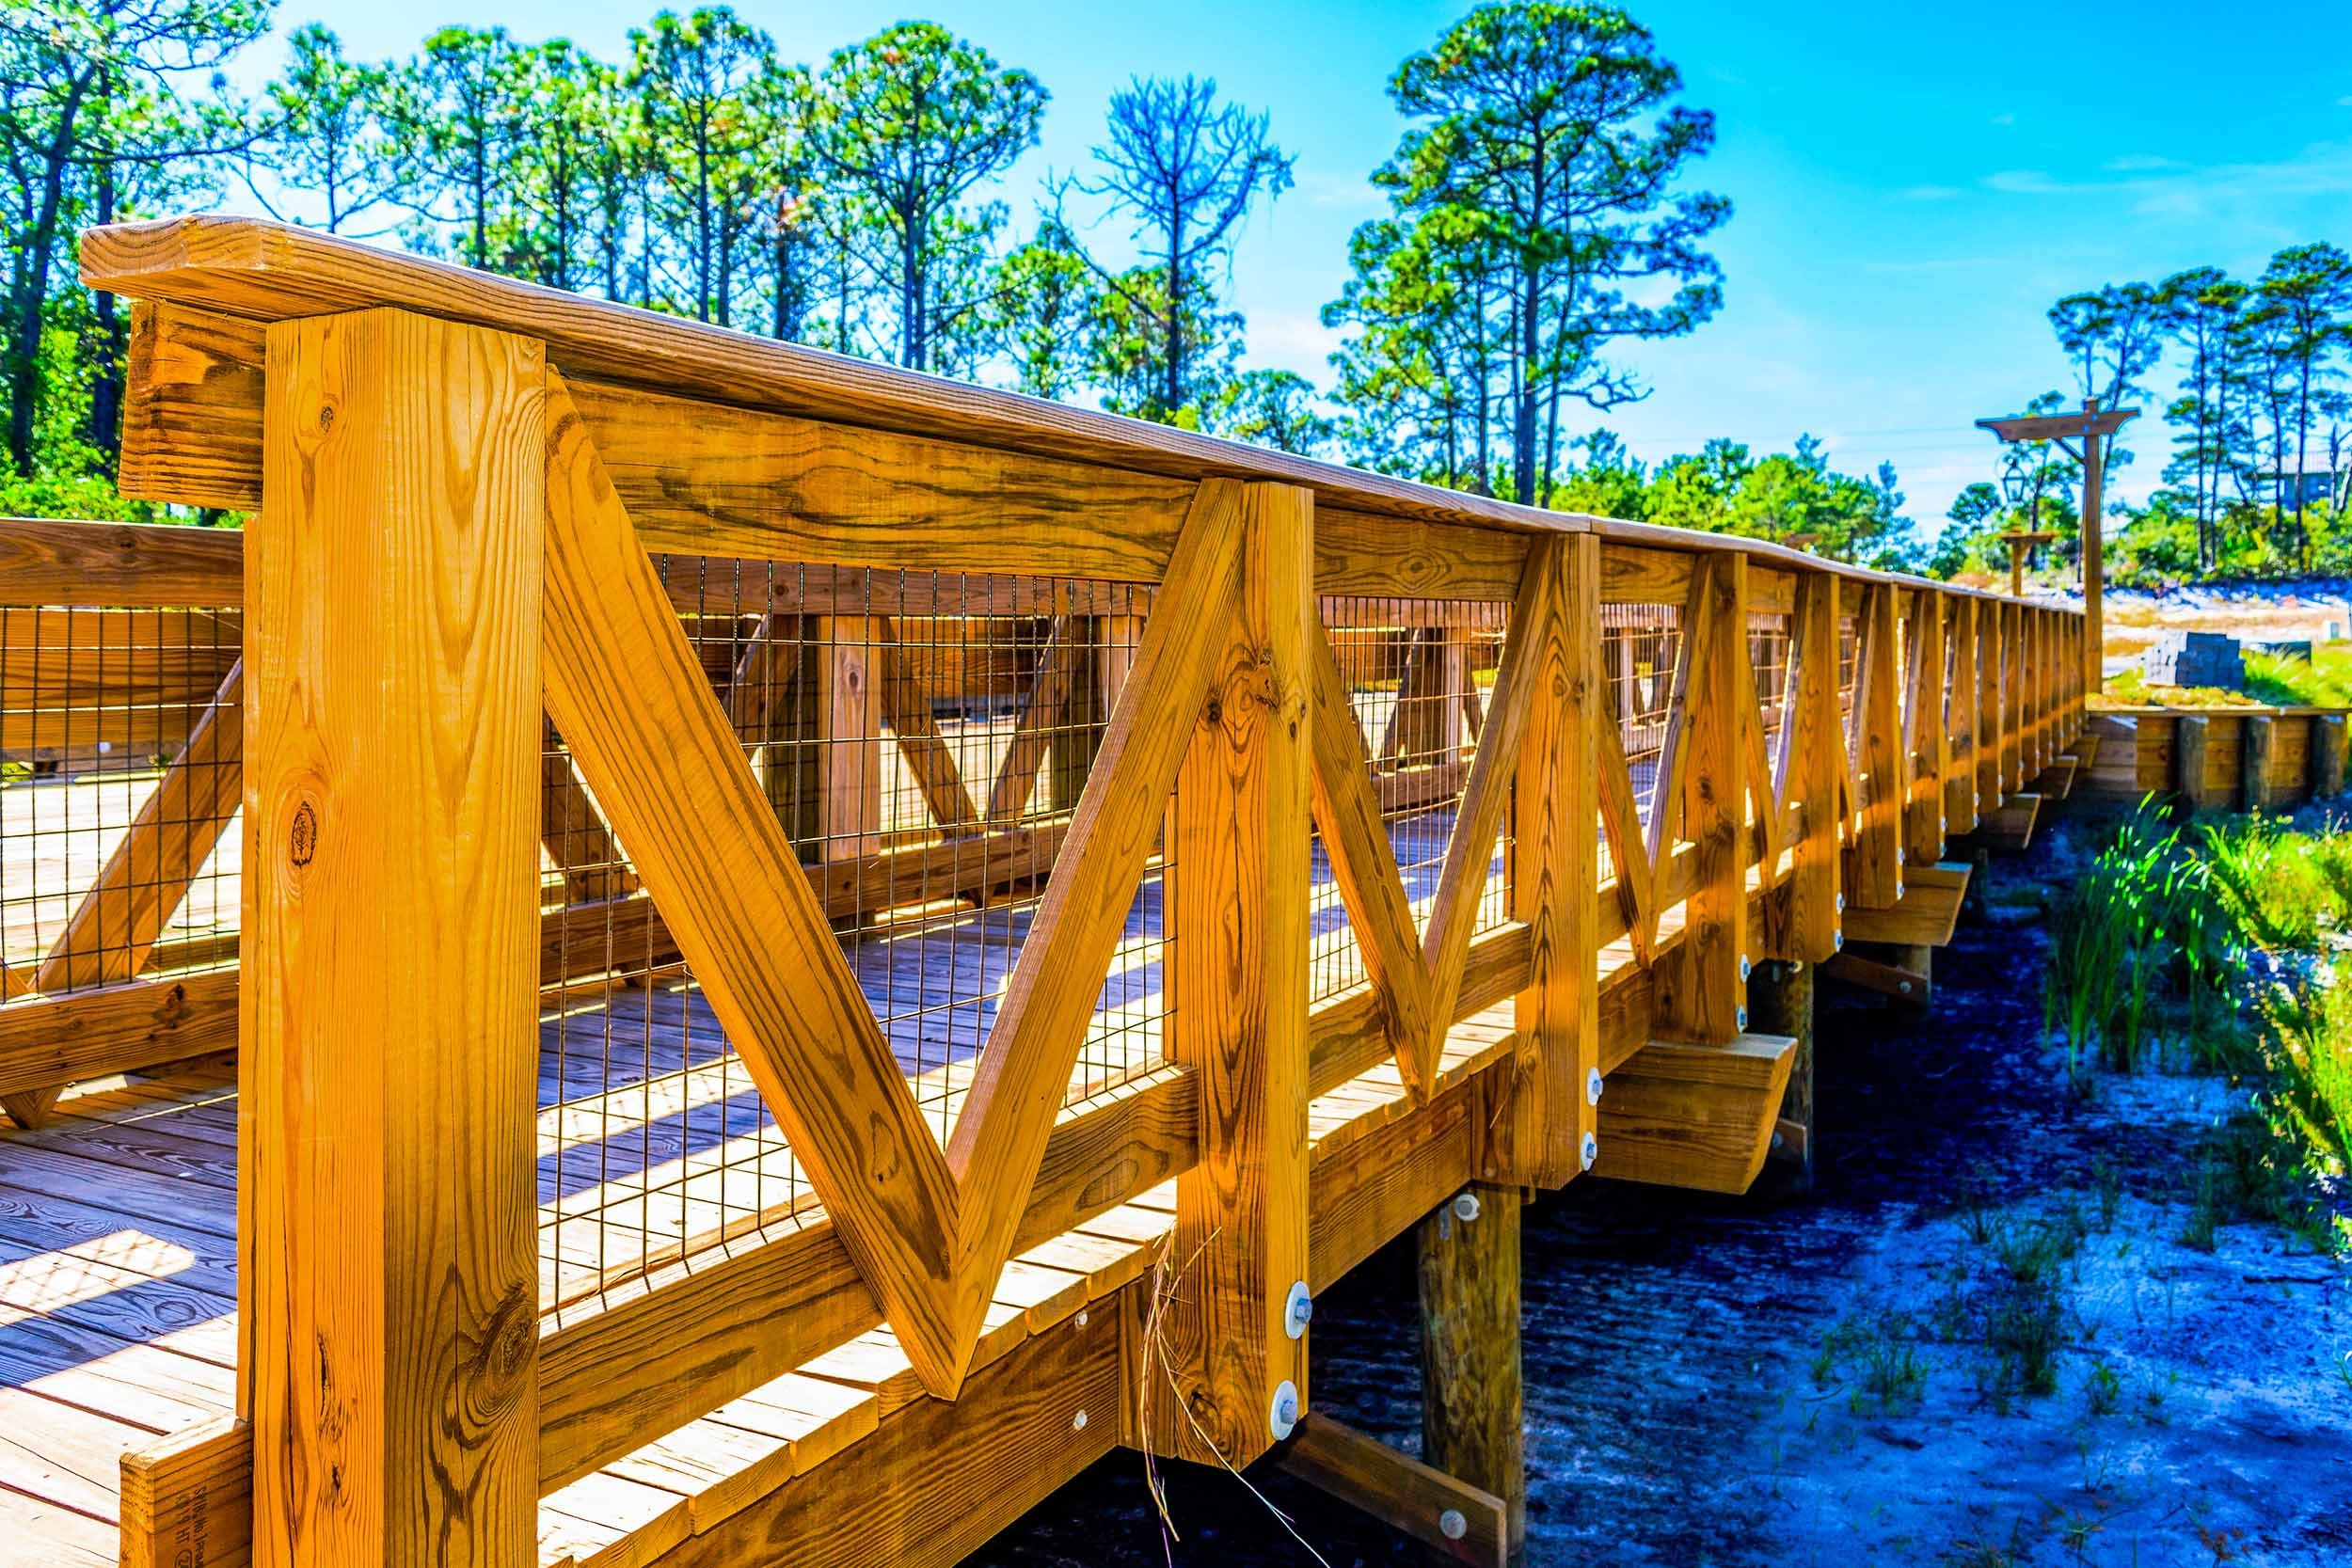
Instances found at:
x=1466 y=1207
x=1078 y=1422
x=1838 y=941
x=1740 y=1018
x=1904 y=986
x=1452 y=1524
x=1899 y=854
x=1592 y=1085
x=1283 y=1416
x=1591 y=1150
x=1898 y=890
x=1777 y=1140
x=1298 y=1310
x=1841 y=903
x=1746 y=968
x=1082 y=1317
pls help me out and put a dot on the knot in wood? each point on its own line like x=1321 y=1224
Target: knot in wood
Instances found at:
x=302 y=835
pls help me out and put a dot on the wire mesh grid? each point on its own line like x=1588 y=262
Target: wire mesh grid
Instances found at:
x=924 y=739
x=1421 y=673
x=1768 y=634
x=120 y=784
x=1641 y=646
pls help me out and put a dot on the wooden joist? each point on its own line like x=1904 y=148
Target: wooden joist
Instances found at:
x=1694 y=1115
x=1923 y=916
x=1904 y=975
x=2056 y=779
x=1455 y=1519
x=2012 y=826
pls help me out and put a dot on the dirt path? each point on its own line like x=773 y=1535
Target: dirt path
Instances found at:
x=1850 y=1379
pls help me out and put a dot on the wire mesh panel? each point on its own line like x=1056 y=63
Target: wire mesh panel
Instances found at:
x=1769 y=635
x=1641 y=646
x=120 y=754
x=924 y=740
x=1421 y=673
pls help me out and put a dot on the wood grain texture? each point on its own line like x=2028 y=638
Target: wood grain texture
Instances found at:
x=1555 y=882
x=1698 y=993
x=1347 y=812
x=187 y=1499
x=1473 y=1401
x=390 y=890
x=1535 y=627
x=1237 y=923
x=1412 y=1499
x=1694 y=1115
x=623 y=687
x=1876 y=745
x=124 y=565
x=266 y=272
x=1033 y=1044
x=1926 y=740
x=1963 y=693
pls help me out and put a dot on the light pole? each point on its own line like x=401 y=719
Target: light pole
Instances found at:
x=2094 y=428
x=2016 y=489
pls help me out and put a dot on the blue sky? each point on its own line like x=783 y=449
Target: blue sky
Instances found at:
x=1913 y=185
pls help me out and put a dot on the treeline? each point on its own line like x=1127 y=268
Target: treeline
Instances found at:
x=1537 y=215
x=2257 y=476
x=1538 y=219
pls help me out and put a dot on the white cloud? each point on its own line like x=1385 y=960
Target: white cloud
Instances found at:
x=1932 y=193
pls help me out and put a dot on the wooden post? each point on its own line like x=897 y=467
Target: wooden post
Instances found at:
x=2192 y=734
x=1473 y=1406
x=1960 y=785
x=2012 y=698
x=1878 y=754
x=1236 y=892
x=1990 y=696
x=1816 y=769
x=389 y=990
x=1555 y=888
x=1698 y=995
x=848 y=738
x=2095 y=559
x=1072 y=745
x=1780 y=1002
x=1926 y=741
x=2328 y=752
x=2261 y=744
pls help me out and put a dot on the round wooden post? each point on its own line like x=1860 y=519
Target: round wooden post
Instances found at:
x=1473 y=1403
x=1780 y=1002
x=2262 y=736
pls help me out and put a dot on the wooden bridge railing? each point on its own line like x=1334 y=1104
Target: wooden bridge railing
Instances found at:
x=601 y=665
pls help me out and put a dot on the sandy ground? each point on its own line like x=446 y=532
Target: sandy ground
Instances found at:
x=1778 y=1379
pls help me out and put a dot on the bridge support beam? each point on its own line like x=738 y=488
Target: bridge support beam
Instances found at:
x=1473 y=1403
x=1780 y=1002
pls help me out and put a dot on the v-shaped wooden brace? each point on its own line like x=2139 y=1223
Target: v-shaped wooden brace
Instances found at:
x=930 y=1228
x=1420 y=976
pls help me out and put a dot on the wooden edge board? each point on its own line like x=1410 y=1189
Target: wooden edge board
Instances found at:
x=1457 y=1521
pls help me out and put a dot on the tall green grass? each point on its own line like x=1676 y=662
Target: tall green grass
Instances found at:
x=2137 y=927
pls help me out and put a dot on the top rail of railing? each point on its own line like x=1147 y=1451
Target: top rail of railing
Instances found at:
x=254 y=271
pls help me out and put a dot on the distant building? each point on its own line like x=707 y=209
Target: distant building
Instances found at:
x=2311 y=487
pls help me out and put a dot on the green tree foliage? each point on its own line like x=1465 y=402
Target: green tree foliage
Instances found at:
x=909 y=123
x=1187 y=170
x=1791 y=498
x=1538 y=221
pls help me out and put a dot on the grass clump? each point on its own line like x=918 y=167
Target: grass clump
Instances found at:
x=2137 y=928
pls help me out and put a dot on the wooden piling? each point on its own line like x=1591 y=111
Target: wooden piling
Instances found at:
x=2260 y=743
x=1780 y=1002
x=1473 y=1401
x=2327 y=755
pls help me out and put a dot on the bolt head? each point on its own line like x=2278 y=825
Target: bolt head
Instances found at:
x=1841 y=903
x=1591 y=1151
x=1746 y=968
x=1739 y=1019
x=1078 y=1421
x=1452 y=1524
x=1283 y=1416
x=1082 y=1317
x=1466 y=1207
x=1838 y=941
x=1298 y=1310
x=1899 y=854
x=1592 y=1087
x=1904 y=986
